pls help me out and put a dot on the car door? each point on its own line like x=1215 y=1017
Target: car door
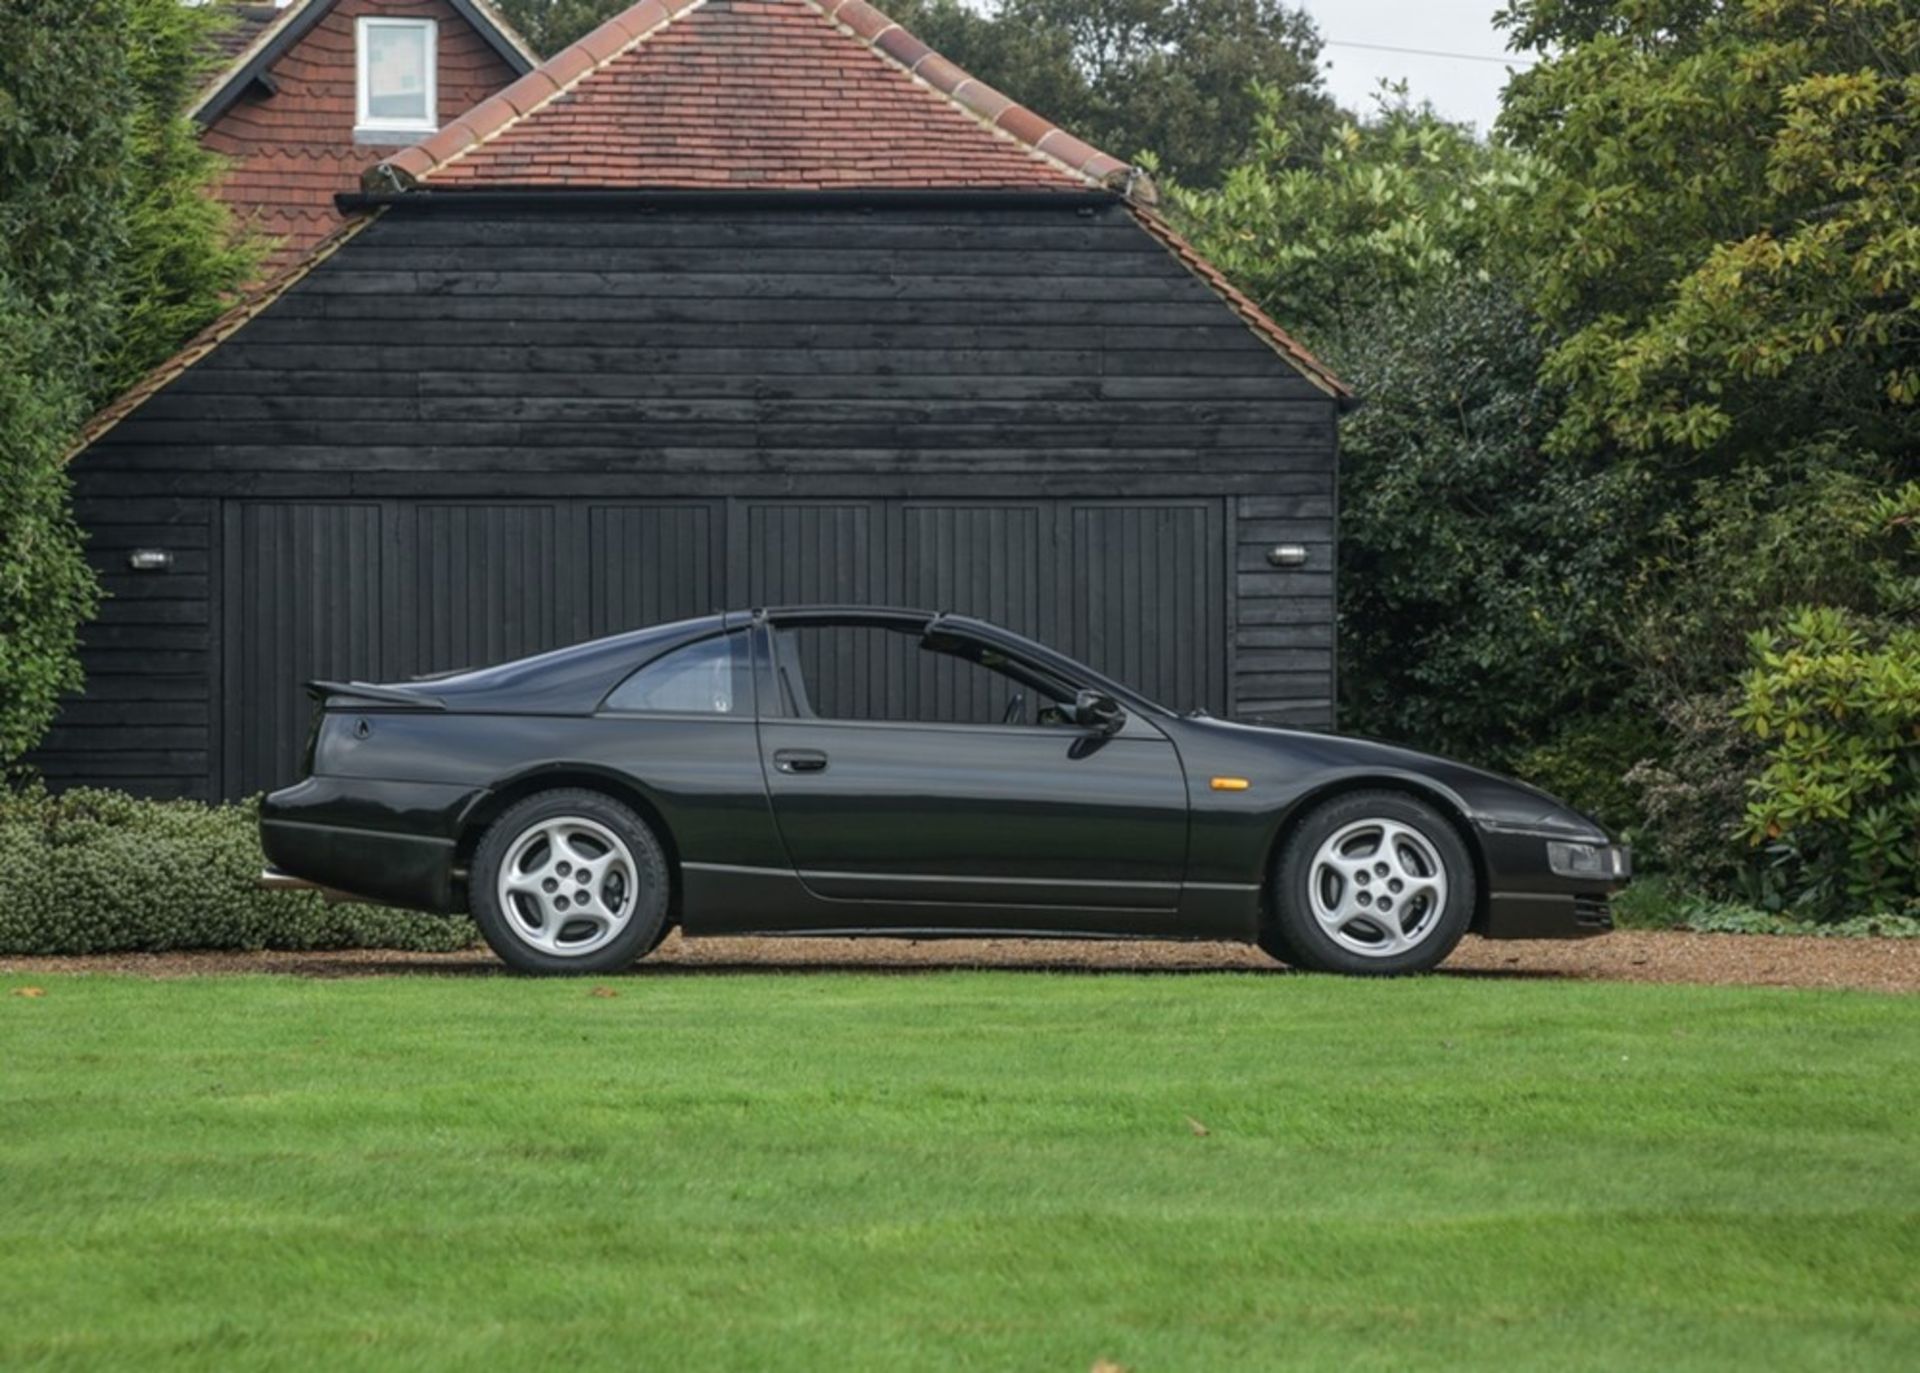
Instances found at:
x=924 y=795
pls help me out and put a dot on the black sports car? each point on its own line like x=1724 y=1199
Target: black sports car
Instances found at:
x=838 y=770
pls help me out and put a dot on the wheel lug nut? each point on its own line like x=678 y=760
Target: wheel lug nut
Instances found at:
x=1366 y=898
x=549 y=885
x=1380 y=868
x=1385 y=904
x=581 y=878
x=1364 y=876
x=564 y=868
x=1394 y=885
x=561 y=902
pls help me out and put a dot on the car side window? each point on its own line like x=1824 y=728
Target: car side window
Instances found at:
x=708 y=677
x=879 y=673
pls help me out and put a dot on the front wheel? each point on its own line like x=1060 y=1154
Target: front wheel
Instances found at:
x=1373 y=882
x=570 y=881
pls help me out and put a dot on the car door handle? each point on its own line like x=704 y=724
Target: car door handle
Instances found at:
x=800 y=760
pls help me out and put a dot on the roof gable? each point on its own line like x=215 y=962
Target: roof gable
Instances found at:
x=267 y=42
x=787 y=94
x=628 y=129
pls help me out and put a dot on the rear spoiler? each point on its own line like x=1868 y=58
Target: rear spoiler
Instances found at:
x=348 y=695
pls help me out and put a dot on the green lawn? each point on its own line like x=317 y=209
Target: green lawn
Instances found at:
x=956 y=1170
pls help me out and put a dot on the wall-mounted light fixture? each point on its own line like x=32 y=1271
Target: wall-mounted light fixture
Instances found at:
x=1287 y=555
x=150 y=559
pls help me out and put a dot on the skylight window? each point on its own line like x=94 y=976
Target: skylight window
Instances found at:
x=396 y=78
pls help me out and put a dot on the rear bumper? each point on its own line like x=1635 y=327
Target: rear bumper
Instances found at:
x=389 y=843
x=272 y=879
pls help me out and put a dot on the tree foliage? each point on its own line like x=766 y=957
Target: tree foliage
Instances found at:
x=1480 y=576
x=1636 y=382
x=549 y=25
x=1726 y=267
x=1170 y=78
x=1325 y=229
x=110 y=254
x=1729 y=241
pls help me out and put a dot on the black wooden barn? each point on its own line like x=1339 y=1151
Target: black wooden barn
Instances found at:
x=574 y=366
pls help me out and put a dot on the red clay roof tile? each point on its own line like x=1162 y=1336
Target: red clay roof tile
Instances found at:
x=781 y=93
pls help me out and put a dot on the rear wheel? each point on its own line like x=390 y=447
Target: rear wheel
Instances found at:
x=570 y=881
x=1373 y=882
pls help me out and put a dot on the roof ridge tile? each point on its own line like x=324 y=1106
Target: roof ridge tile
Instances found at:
x=872 y=29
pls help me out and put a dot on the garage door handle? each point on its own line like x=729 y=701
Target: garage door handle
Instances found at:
x=800 y=760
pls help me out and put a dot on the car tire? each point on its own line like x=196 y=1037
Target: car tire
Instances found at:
x=570 y=881
x=1371 y=884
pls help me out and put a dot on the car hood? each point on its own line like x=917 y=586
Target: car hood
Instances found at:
x=1487 y=798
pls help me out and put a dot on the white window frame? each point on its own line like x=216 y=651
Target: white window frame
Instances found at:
x=363 y=122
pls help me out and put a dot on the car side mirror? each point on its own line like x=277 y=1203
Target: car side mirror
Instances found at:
x=1097 y=710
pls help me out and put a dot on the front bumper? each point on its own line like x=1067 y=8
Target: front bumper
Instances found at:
x=390 y=843
x=1546 y=915
x=1527 y=899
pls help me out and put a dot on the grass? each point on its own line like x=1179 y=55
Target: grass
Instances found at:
x=956 y=1170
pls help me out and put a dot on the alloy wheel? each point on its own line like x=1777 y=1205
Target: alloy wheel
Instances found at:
x=566 y=886
x=1377 y=887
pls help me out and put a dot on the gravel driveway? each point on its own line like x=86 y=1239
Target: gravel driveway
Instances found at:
x=1880 y=965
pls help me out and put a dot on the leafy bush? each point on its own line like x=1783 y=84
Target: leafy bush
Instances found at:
x=1693 y=796
x=1837 y=806
x=1816 y=526
x=1655 y=902
x=1721 y=918
x=101 y=872
x=1588 y=764
x=46 y=588
x=111 y=254
x=1480 y=580
x=1820 y=524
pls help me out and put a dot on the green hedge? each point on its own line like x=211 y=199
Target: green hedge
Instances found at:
x=101 y=872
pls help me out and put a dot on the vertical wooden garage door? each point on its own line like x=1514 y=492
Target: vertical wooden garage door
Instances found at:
x=482 y=584
x=301 y=599
x=386 y=590
x=979 y=560
x=650 y=564
x=1146 y=598
x=1137 y=589
x=790 y=553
